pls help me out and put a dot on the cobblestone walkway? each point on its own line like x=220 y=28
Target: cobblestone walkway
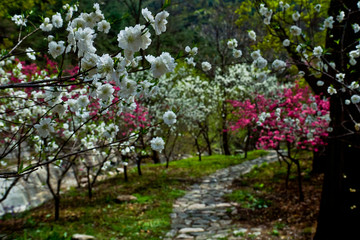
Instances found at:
x=203 y=213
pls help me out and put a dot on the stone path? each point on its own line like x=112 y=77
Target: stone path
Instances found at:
x=203 y=213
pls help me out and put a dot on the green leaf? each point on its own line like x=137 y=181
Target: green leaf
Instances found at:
x=27 y=168
x=166 y=4
x=20 y=167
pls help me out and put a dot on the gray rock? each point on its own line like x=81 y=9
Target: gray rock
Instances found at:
x=78 y=236
x=125 y=198
x=191 y=230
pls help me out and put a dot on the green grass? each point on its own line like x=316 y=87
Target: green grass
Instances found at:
x=147 y=218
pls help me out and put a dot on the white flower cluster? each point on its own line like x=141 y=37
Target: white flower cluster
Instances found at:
x=157 y=144
x=328 y=22
x=44 y=127
x=19 y=20
x=232 y=44
x=169 y=118
x=266 y=13
x=278 y=65
x=252 y=35
x=295 y=30
x=159 y=22
x=206 y=66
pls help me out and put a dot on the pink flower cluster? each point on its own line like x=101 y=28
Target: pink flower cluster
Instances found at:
x=294 y=116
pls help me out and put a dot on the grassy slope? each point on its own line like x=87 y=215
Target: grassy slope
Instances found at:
x=146 y=218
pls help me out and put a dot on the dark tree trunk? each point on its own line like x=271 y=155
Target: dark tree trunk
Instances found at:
x=319 y=161
x=301 y=193
x=138 y=163
x=155 y=157
x=57 y=207
x=247 y=142
x=198 y=148
x=207 y=139
x=89 y=182
x=340 y=203
x=288 y=169
x=125 y=174
x=225 y=140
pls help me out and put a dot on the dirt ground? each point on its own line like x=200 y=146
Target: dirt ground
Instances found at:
x=285 y=217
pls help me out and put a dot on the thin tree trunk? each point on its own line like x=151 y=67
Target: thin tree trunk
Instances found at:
x=57 y=207
x=301 y=193
x=125 y=174
x=198 y=148
x=247 y=143
x=138 y=164
x=88 y=182
x=288 y=165
x=155 y=157
x=205 y=134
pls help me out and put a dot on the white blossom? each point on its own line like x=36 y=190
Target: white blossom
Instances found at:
x=148 y=15
x=128 y=88
x=44 y=127
x=103 y=26
x=133 y=38
x=331 y=90
x=46 y=26
x=157 y=144
x=160 y=22
x=295 y=30
x=328 y=22
x=57 y=20
x=278 y=65
x=59 y=109
x=237 y=53
x=355 y=99
x=83 y=101
x=341 y=16
x=190 y=61
x=192 y=51
x=354 y=85
x=162 y=64
x=255 y=54
x=169 y=118
x=317 y=7
x=296 y=16
x=263 y=10
x=206 y=66
x=320 y=83
x=30 y=53
x=260 y=62
x=352 y=61
x=340 y=77
x=85 y=39
x=286 y=43
x=232 y=43
x=90 y=60
x=105 y=64
x=56 y=48
x=356 y=27
x=105 y=91
x=252 y=35
x=19 y=20
x=318 y=51
x=73 y=105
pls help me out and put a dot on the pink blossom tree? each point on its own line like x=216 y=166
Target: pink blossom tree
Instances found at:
x=295 y=120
